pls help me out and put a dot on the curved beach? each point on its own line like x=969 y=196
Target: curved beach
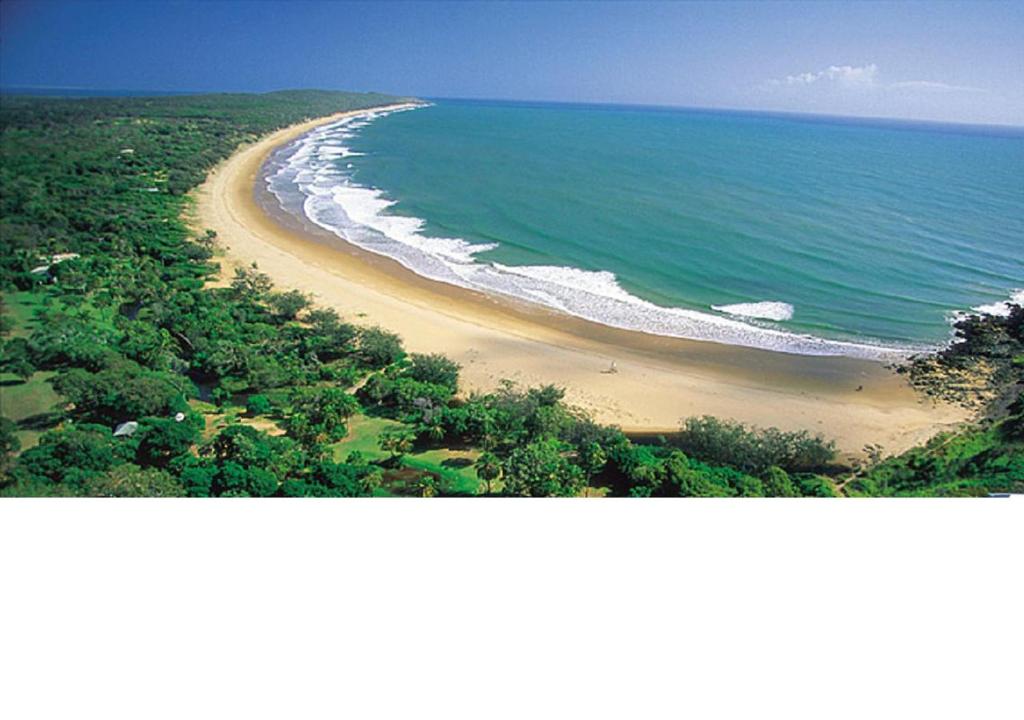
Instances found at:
x=659 y=380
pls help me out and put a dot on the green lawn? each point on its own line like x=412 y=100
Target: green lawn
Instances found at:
x=454 y=466
x=29 y=403
x=21 y=307
x=363 y=432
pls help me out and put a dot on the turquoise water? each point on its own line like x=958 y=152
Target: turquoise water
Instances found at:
x=812 y=235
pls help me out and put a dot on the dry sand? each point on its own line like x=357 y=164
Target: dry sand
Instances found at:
x=658 y=380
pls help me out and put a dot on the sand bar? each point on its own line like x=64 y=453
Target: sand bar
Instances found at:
x=659 y=380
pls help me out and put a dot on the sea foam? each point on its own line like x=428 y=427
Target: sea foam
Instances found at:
x=307 y=178
x=767 y=310
x=1001 y=308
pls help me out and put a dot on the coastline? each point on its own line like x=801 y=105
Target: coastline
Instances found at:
x=659 y=380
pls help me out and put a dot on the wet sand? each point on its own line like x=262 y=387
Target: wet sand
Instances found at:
x=658 y=380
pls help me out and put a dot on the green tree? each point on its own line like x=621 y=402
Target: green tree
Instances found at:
x=124 y=391
x=335 y=480
x=62 y=340
x=753 y=450
x=396 y=441
x=777 y=483
x=488 y=468
x=541 y=469
x=15 y=358
x=134 y=481
x=9 y=442
x=249 y=284
x=319 y=414
x=640 y=467
x=235 y=480
x=252 y=448
x=163 y=439
x=436 y=370
x=691 y=480
x=72 y=455
x=379 y=348
x=197 y=478
x=546 y=395
x=592 y=458
x=404 y=394
x=259 y=405
x=287 y=305
x=816 y=486
x=329 y=338
x=145 y=343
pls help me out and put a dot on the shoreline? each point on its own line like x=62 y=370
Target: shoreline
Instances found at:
x=561 y=286
x=660 y=380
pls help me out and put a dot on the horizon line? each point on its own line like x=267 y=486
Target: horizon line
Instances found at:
x=747 y=110
x=129 y=92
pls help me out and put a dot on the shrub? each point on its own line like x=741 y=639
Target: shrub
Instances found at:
x=287 y=305
x=124 y=391
x=9 y=442
x=541 y=469
x=72 y=456
x=134 y=481
x=435 y=370
x=259 y=405
x=319 y=414
x=752 y=450
x=379 y=348
x=163 y=439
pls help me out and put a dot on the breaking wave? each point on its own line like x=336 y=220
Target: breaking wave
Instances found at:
x=768 y=310
x=309 y=178
x=1001 y=308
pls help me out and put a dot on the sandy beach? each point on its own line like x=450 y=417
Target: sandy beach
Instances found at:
x=658 y=381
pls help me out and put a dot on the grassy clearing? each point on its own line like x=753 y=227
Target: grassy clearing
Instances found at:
x=454 y=467
x=30 y=403
x=363 y=432
x=218 y=418
x=21 y=307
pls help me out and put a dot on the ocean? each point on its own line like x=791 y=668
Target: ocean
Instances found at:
x=810 y=235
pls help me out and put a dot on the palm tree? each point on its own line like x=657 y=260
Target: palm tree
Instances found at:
x=488 y=468
x=396 y=442
x=436 y=432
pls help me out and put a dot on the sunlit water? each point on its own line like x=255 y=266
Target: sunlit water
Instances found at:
x=807 y=235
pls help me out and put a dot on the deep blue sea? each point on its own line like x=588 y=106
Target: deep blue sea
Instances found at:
x=801 y=234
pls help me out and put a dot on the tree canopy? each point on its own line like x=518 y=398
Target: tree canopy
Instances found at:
x=241 y=389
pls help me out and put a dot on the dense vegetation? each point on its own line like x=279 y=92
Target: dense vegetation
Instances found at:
x=982 y=369
x=128 y=373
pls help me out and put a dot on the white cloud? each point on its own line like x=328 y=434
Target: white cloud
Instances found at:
x=861 y=77
x=934 y=86
x=846 y=75
x=866 y=90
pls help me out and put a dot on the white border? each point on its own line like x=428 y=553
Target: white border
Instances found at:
x=511 y=609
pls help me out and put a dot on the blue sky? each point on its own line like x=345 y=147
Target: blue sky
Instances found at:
x=944 y=61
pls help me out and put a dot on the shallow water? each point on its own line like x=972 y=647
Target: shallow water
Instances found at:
x=808 y=235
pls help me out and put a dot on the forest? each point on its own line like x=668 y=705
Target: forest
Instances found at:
x=128 y=372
